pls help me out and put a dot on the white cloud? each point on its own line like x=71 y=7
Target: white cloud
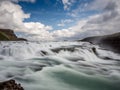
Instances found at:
x=63 y=33
x=67 y=4
x=70 y=32
x=81 y=8
x=12 y=17
x=38 y=31
x=106 y=22
x=64 y=22
x=103 y=5
x=109 y=20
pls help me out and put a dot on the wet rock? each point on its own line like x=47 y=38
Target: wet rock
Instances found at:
x=44 y=53
x=57 y=50
x=10 y=85
x=94 y=50
x=37 y=67
x=21 y=39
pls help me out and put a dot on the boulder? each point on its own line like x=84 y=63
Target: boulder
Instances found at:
x=10 y=85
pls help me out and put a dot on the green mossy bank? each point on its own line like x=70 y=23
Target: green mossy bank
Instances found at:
x=9 y=35
x=3 y=37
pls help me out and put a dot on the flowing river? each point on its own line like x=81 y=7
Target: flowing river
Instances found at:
x=59 y=66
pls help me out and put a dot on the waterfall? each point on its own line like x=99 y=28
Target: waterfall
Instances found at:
x=60 y=66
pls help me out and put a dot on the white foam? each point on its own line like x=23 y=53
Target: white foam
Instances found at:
x=23 y=61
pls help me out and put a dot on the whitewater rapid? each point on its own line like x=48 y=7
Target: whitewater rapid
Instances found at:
x=59 y=66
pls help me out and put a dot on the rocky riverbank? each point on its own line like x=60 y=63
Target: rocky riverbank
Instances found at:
x=10 y=85
x=110 y=42
x=9 y=35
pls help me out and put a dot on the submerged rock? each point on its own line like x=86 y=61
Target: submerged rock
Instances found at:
x=57 y=50
x=10 y=85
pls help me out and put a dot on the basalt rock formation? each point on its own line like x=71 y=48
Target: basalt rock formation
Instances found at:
x=9 y=35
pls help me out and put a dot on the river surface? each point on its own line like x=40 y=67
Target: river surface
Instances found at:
x=59 y=66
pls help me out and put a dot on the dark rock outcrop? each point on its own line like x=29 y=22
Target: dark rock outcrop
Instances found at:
x=10 y=85
x=3 y=37
x=110 y=42
x=21 y=39
x=57 y=50
x=9 y=35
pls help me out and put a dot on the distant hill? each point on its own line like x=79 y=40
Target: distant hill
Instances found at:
x=110 y=42
x=9 y=35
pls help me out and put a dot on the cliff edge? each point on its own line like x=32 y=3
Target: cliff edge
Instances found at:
x=9 y=35
x=110 y=42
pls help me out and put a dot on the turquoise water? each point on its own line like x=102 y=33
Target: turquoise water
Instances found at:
x=74 y=67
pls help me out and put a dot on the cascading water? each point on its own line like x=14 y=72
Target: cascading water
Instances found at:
x=59 y=66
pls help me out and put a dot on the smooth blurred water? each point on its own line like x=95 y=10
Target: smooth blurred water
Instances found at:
x=59 y=66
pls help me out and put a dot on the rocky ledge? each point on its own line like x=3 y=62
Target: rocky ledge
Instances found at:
x=110 y=42
x=10 y=85
x=9 y=35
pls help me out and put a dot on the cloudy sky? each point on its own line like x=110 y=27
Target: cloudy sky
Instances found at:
x=60 y=19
